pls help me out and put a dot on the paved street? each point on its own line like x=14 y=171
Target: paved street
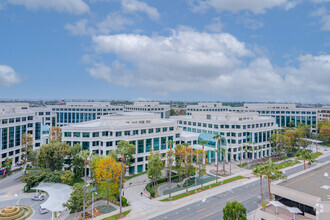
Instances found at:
x=211 y=208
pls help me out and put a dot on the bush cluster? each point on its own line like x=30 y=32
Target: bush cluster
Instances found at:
x=174 y=178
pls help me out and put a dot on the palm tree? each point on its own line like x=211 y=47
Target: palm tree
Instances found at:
x=304 y=155
x=272 y=173
x=126 y=151
x=170 y=153
x=223 y=151
x=217 y=137
x=240 y=154
x=202 y=142
x=187 y=164
x=229 y=154
x=311 y=159
x=84 y=154
x=259 y=170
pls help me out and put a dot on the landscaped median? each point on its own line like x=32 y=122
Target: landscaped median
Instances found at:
x=114 y=217
x=202 y=189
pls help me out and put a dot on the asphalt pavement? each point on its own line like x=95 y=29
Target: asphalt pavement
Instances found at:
x=211 y=208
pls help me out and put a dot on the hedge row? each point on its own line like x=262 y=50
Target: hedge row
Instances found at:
x=174 y=178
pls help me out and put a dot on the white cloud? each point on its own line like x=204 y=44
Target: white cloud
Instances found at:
x=250 y=23
x=79 y=28
x=69 y=6
x=190 y=61
x=215 y=26
x=8 y=76
x=324 y=18
x=137 y=6
x=113 y=22
x=116 y=74
x=255 y=6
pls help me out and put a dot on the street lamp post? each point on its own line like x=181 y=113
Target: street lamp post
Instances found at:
x=93 y=204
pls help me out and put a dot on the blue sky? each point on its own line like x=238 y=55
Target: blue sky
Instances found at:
x=223 y=50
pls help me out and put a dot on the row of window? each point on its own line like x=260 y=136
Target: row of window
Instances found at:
x=87 y=110
x=224 y=126
x=142 y=146
x=11 y=153
x=118 y=133
x=15 y=120
x=144 y=109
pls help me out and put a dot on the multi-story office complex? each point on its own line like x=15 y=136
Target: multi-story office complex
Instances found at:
x=324 y=113
x=144 y=130
x=48 y=117
x=15 y=120
x=286 y=115
x=153 y=107
x=76 y=112
x=237 y=130
x=207 y=107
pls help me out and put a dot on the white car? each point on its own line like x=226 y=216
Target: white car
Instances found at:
x=38 y=198
x=43 y=210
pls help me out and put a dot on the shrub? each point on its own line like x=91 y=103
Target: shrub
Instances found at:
x=150 y=190
x=124 y=201
x=53 y=177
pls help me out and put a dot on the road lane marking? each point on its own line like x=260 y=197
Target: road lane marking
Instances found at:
x=304 y=177
x=212 y=213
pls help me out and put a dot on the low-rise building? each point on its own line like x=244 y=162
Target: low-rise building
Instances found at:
x=236 y=129
x=15 y=120
x=152 y=107
x=144 y=130
x=76 y=112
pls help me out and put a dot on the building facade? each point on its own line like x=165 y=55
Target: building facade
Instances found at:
x=144 y=130
x=77 y=112
x=286 y=115
x=238 y=130
x=152 y=107
x=14 y=122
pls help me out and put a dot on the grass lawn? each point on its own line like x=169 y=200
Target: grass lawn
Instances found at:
x=134 y=175
x=117 y=216
x=287 y=164
x=243 y=165
x=202 y=189
x=316 y=155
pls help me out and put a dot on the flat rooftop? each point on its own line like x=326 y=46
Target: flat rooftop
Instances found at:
x=313 y=183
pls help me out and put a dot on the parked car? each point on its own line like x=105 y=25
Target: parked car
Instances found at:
x=3 y=171
x=38 y=198
x=43 y=210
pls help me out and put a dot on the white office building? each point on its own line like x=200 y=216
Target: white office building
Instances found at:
x=324 y=113
x=152 y=107
x=285 y=114
x=237 y=130
x=144 y=130
x=15 y=120
x=76 y=112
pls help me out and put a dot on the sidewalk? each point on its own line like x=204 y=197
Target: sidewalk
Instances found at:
x=145 y=208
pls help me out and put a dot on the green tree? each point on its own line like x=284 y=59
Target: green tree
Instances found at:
x=272 y=173
x=169 y=156
x=8 y=164
x=259 y=171
x=77 y=161
x=217 y=137
x=84 y=155
x=126 y=151
x=155 y=166
x=27 y=145
x=202 y=162
x=234 y=211
x=68 y=177
x=75 y=202
x=306 y=155
x=188 y=163
x=51 y=156
x=223 y=151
